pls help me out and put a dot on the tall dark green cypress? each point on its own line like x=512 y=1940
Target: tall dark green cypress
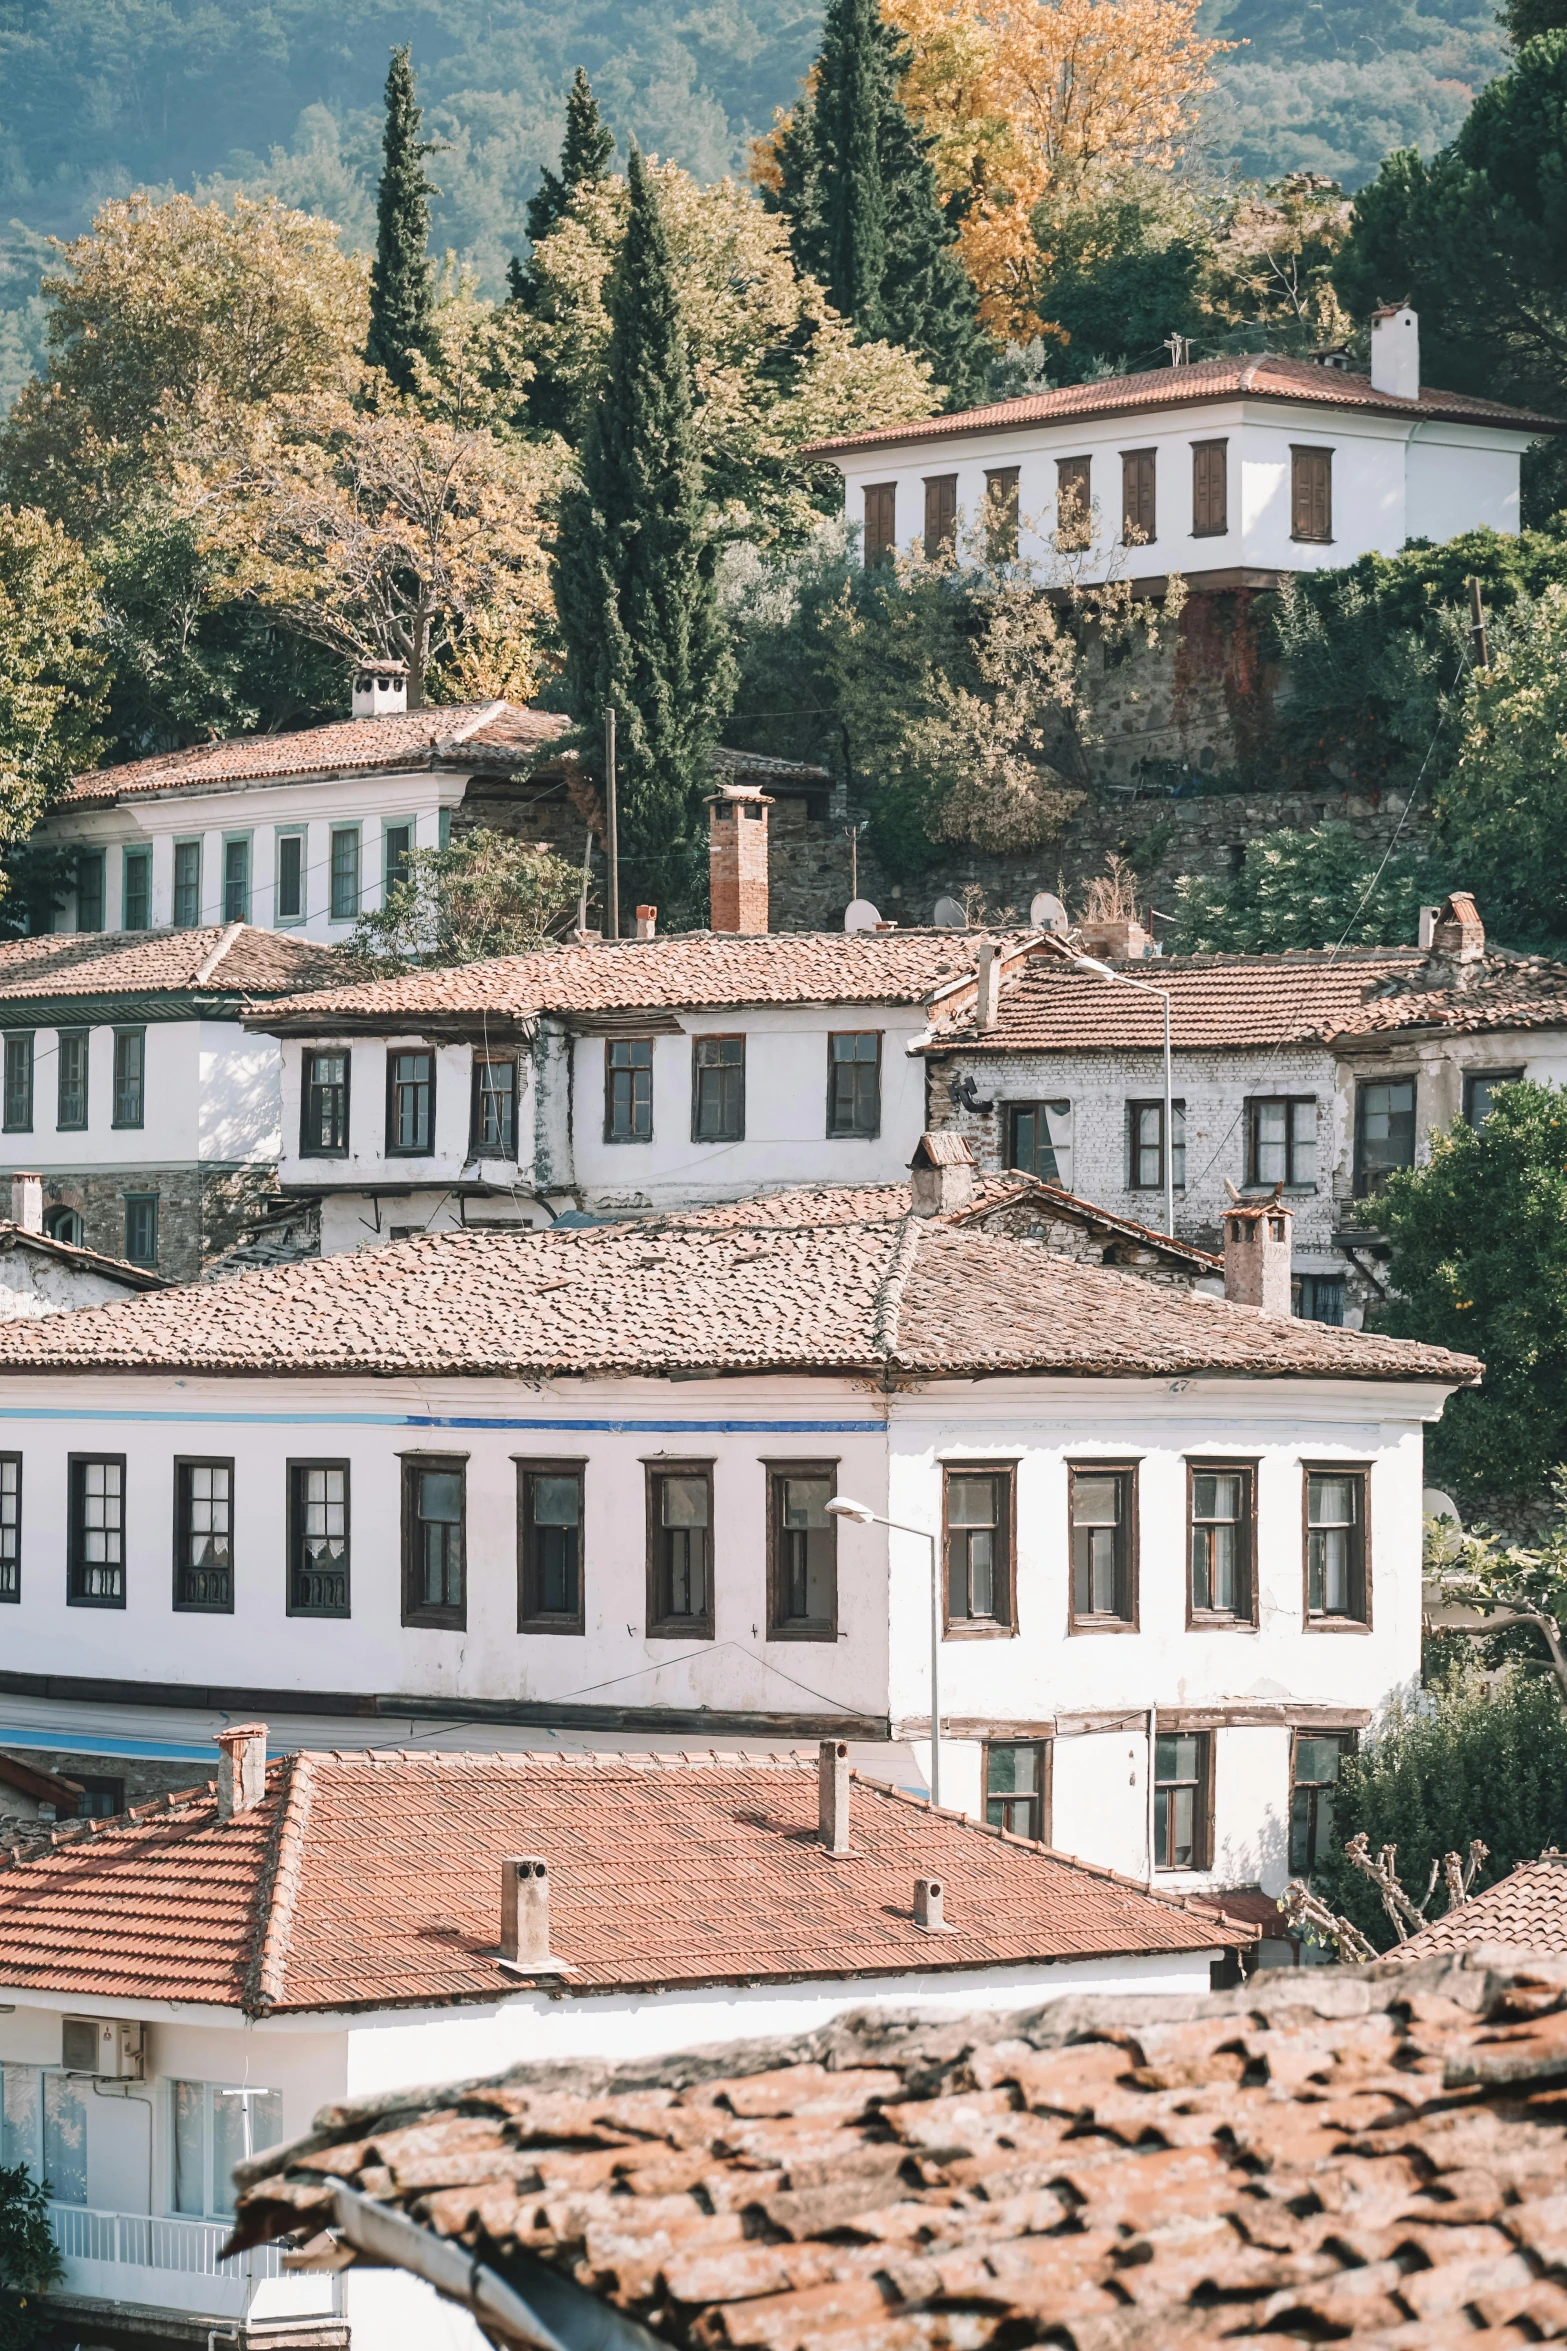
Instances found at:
x=634 y=569
x=402 y=298
x=865 y=214
x=586 y=152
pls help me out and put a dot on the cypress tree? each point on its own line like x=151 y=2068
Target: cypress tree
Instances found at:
x=857 y=184
x=402 y=301
x=634 y=569
x=586 y=152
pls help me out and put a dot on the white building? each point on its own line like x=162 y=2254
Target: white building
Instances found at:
x=1233 y=472
x=577 y=1480
x=338 y=1928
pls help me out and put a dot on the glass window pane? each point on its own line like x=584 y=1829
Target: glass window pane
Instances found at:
x=1175 y=1756
x=1096 y=1501
x=187 y=885
x=440 y=1495
x=805 y=1502
x=190 y=2177
x=65 y=2139
x=20 y=2088
x=1013 y=1771
x=557 y=1502
x=1331 y=1501
x=1318 y=1759
x=684 y=1501
x=971 y=1502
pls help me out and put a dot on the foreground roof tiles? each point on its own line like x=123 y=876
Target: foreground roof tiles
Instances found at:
x=1527 y=1908
x=917 y=1298
x=663 y=1869
x=1253 y=375
x=1374 y=2157
x=233 y=959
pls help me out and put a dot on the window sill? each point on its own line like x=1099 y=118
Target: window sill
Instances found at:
x=321 y=1615
x=432 y=1153
x=1290 y=1191
x=1213 y=1620
x=74 y=1600
x=431 y=1620
x=802 y=1632
x=853 y=1135
x=1336 y=1624
x=983 y=1628
x=1296 y=540
x=1219 y=534
x=573 y=1627
x=684 y=1628
x=203 y=1607
x=1102 y=1624
x=615 y=1142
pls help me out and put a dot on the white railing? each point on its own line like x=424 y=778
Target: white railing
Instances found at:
x=141 y=2240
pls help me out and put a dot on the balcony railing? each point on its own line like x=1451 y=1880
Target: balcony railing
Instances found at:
x=143 y=2240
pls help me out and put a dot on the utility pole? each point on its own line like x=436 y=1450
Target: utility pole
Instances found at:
x=1477 y=626
x=853 y=832
x=614 y=828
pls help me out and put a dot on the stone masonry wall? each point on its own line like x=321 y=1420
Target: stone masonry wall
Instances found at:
x=201 y=1210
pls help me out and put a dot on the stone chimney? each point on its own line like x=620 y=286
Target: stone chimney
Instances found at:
x=941 y=1175
x=987 y=984
x=1395 y=352
x=1430 y=916
x=242 y=1770
x=1258 y=1253
x=737 y=858
x=1458 y=932
x=1118 y=939
x=525 y=1912
x=929 y=1906
x=647 y=921
x=27 y=1202
x=380 y=688
x=832 y=1794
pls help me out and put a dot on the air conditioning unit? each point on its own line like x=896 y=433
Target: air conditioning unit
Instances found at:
x=93 y=2044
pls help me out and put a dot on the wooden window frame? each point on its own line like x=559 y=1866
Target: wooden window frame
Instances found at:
x=1292 y=1181
x=123 y=1037
x=393 y=869
x=885 y=547
x=1135 y=1103
x=394 y=1053
x=1034 y=1106
x=14 y=1040
x=725 y=1037
x=236 y=841
x=188 y=846
x=1205 y=1808
x=13 y=1593
x=73 y=1126
x=1131 y=1622
x=981 y=1628
x=147 y=1200
x=1317 y=1623
x=636 y=1141
x=1362 y=1185
x=416 y=1615
x=292 y=1469
x=1002 y=513
x=307 y=1086
x=530 y=1617
x=678 y=1628
x=1212 y=450
x=1077 y=472
x=1349 y=1732
x=184 y=1461
x=1237 y=1620
x=477 y=1149
x=842 y=1134
x=75 y=1565
x=89 y=860
x=780 y=1627
x=345 y=832
x=1315 y=452
x=1134 y=462
x=1046 y=1751
x=1486 y=1077
x=941 y=513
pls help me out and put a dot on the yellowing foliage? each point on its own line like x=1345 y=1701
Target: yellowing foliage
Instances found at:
x=1029 y=100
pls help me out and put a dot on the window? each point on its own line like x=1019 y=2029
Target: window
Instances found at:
x=1039 y=1140
x=433 y=1514
x=43 y=2123
x=1319 y=1297
x=64 y=1225
x=1210 y=489
x=550 y=1505
x=1145 y=1145
x=397 y=841
x=215 y=2129
x=71 y=1110
x=100 y=1799
x=187 y=885
x=318 y=1538
x=881 y=522
x=10 y=1526
x=977 y=1524
x=1480 y=1090
x=718 y=1090
x=493 y=1118
x=290 y=877
x=323 y=1106
x=680 y=1550
x=89 y=890
x=141 y=1228
x=628 y=1090
x=1384 y=1132
x=1102 y=1503
x=130 y=1064
x=1281 y=1141
x=941 y=512
x=443 y=828
x=204 y=1534
x=1017 y=1787
x=802 y=1553
x=1074 y=502
x=1314 y=1776
x=136 y=890
x=1336 y=1578
x=236 y=880
x=410 y=1104
x=854 y=1084
x=345 y=873
x=1219 y=1506
x=19 y=1085
x=96 y=1572
x=1311 y=494
x=1001 y=514
x=1180 y=1800
x=1138 y=475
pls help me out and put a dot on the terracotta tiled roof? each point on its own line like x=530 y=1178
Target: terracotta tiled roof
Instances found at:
x=1253 y=375
x=117 y=1269
x=917 y=1297
x=1509 y=992
x=663 y=1869
x=226 y=960
x=889 y=1204
x=402 y=740
x=1372 y=2157
x=689 y=968
x=1527 y=1908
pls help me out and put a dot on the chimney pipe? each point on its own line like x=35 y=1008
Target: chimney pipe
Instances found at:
x=242 y=1769
x=647 y=921
x=27 y=1202
x=941 y=1174
x=832 y=1801
x=1258 y=1253
x=525 y=1912
x=1395 y=352
x=1430 y=916
x=929 y=1912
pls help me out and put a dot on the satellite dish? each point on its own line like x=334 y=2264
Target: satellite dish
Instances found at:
x=860 y=915
x=949 y=915
x=1046 y=912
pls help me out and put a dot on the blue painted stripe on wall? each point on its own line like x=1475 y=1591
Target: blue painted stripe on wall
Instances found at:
x=432 y=1420
x=65 y=1740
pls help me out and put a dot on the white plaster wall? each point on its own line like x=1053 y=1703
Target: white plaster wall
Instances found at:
x=172 y=1104
x=1439 y=1067
x=239 y=1098
x=31 y=1283
x=1453 y=487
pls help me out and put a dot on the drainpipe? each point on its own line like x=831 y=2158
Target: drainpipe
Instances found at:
x=1153 y=1734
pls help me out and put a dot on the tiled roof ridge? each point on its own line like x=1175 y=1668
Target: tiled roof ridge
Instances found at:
x=889 y=1294
x=475 y=716
x=101 y=1831
x=209 y=963
x=472 y=715
x=277 y=1889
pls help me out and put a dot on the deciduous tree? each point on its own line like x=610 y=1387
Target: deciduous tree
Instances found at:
x=30 y=2262
x=485 y=894
x=52 y=679
x=1306 y=889
x=402 y=296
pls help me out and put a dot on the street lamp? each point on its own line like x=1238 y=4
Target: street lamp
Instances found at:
x=1107 y=971
x=862 y=1514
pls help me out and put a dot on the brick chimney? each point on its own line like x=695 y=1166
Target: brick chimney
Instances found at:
x=525 y=1912
x=737 y=858
x=1458 y=931
x=242 y=1769
x=1258 y=1253
x=1395 y=352
x=941 y=1175
x=832 y=1802
x=27 y=1202
x=647 y=921
x=1112 y=939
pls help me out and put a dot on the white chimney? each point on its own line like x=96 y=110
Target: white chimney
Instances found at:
x=27 y=1202
x=930 y=1907
x=525 y=1912
x=242 y=1772
x=1395 y=352
x=647 y=921
x=380 y=689
x=833 y=1794
x=1258 y=1254
x=1430 y=916
x=987 y=985
x=941 y=1175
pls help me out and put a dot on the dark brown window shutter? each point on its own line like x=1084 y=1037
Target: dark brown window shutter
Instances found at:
x=881 y=524
x=1210 y=498
x=1074 y=502
x=1311 y=503
x=1001 y=511
x=941 y=512
x=1137 y=496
